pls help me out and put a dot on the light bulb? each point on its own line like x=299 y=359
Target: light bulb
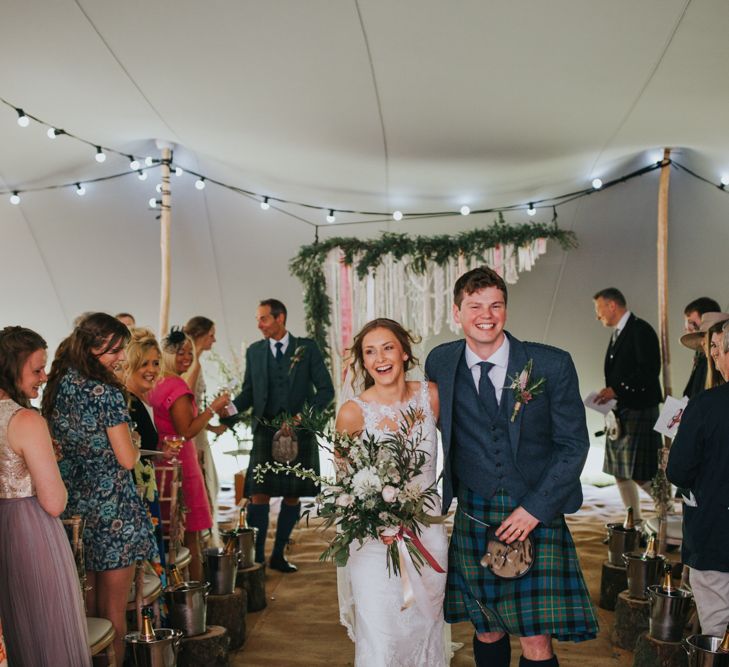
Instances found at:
x=142 y=175
x=531 y=210
x=15 y=199
x=80 y=190
x=52 y=133
x=331 y=217
x=23 y=120
x=265 y=205
x=100 y=155
x=149 y=161
x=178 y=171
x=465 y=210
x=725 y=180
x=134 y=163
x=158 y=187
x=153 y=203
x=397 y=216
x=596 y=183
x=200 y=183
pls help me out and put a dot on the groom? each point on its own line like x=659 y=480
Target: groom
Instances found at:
x=513 y=460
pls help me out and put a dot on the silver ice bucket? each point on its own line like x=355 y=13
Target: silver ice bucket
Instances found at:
x=162 y=652
x=620 y=541
x=220 y=570
x=188 y=605
x=246 y=545
x=703 y=651
x=669 y=613
x=642 y=572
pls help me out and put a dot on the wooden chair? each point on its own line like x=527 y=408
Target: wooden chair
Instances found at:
x=169 y=481
x=100 y=631
x=146 y=590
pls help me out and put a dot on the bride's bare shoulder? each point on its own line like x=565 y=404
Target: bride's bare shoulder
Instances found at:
x=350 y=418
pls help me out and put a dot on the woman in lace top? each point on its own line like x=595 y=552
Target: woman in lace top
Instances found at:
x=40 y=597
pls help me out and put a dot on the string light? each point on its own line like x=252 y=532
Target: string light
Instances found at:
x=100 y=155
x=178 y=171
x=596 y=183
x=142 y=175
x=149 y=161
x=133 y=163
x=200 y=183
x=153 y=202
x=52 y=133
x=80 y=190
x=331 y=217
x=158 y=187
x=465 y=210
x=23 y=120
x=397 y=216
x=725 y=180
x=15 y=198
x=265 y=205
x=531 y=210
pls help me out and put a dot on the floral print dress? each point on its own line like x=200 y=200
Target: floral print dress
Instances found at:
x=118 y=531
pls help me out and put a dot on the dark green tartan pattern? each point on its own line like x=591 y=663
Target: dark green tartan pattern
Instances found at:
x=635 y=454
x=551 y=598
x=282 y=484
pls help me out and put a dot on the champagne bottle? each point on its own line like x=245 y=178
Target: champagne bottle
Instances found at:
x=146 y=634
x=175 y=577
x=667 y=583
x=650 y=550
x=724 y=646
x=629 y=523
x=230 y=546
x=242 y=520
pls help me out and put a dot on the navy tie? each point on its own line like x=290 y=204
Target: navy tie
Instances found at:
x=279 y=351
x=486 y=391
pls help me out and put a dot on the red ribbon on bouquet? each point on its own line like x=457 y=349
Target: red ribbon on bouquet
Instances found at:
x=409 y=574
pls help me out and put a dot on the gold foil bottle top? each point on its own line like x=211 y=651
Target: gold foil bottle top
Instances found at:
x=242 y=520
x=650 y=550
x=629 y=523
x=230 y=546
x=146 y=634
x=724 y=646
x=175 y=577
x=667 y=582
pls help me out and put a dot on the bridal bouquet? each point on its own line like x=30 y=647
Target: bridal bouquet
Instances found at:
x=376 y=493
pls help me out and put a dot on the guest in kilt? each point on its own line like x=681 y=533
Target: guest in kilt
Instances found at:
x=514 y=445
x=283 y=375
x=632 y=366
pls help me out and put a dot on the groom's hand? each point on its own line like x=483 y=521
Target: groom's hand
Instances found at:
x=516 y=526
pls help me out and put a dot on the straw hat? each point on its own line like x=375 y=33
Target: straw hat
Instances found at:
x=695 y=339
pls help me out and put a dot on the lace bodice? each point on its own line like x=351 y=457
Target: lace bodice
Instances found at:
x=15 y=480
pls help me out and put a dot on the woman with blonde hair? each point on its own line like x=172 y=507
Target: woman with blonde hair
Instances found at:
x=176 y=414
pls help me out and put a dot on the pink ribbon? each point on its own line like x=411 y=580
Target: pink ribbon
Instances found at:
x=413 y=589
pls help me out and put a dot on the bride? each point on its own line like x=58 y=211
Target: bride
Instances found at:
x=385 y=635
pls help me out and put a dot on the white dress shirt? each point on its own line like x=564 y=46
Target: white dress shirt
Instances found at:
x=285 y=343
x=621 y=325
x=497 y=375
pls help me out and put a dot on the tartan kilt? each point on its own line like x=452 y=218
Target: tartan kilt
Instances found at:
x=634 y=455
x=282 y=484
x=551 y=599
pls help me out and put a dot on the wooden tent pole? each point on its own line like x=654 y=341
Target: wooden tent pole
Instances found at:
x=165 y=228
x=663 y=491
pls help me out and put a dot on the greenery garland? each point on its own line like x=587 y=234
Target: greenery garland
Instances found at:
x=308 y=265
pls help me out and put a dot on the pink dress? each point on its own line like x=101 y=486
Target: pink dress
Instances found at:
x=161 y=398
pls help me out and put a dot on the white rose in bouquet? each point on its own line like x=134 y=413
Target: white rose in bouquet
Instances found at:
x=389 y=494
x=366 y=483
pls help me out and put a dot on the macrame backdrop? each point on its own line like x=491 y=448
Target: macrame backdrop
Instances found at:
x=419 y=299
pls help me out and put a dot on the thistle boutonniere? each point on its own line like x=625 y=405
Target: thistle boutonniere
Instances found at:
x=523 y=390
x=296 y=357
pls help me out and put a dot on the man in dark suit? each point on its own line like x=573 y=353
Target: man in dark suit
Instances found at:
x=632 y=366
x=692 y=321
x=513 y=458
x=699 y=463
x=283 y=374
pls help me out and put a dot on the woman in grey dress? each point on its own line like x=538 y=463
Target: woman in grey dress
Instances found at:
x=40 y=598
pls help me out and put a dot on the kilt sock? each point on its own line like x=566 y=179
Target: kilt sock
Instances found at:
x=287 y=519
x=496 y=654
x=257 y=517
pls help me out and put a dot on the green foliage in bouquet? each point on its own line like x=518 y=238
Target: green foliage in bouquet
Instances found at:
x=376 y=492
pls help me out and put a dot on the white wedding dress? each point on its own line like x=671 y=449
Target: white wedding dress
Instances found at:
x=371 y=600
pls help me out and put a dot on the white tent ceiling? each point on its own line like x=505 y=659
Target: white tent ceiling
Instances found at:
x=417 y=105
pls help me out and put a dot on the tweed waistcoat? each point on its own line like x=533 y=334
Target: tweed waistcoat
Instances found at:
x=278 y=385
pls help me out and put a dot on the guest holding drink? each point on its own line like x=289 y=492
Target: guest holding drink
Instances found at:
x=176 y=415
x=40 y=598
x=87 y=412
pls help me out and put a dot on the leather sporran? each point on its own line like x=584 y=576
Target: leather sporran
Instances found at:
x=285 y=445
x=613 y=427
x=508 y=561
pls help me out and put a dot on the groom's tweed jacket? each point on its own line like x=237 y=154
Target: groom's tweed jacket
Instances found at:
x=548 y=440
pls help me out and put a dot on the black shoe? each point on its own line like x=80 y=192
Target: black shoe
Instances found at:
x=281 y=564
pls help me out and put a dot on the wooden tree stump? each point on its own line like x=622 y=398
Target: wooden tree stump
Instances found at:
x=230 y=612
x=631 y=619
x=253 y=580
x=210 y=649
x=650 y=652
x=614 y=579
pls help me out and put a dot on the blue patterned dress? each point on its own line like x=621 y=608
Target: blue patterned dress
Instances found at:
x=118 y=530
